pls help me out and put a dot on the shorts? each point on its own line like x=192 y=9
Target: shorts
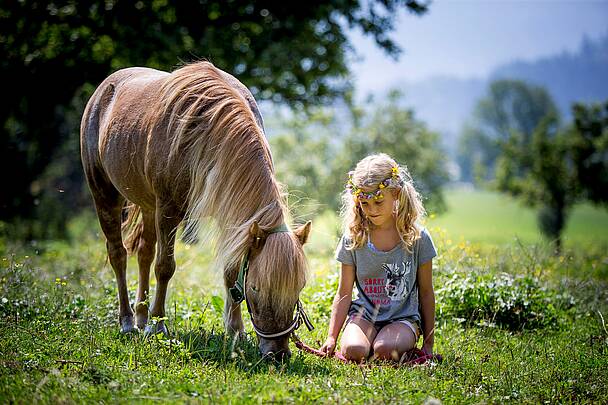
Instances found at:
x=413 y=325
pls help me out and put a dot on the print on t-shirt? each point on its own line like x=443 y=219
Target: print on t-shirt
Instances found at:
x=396 y=280
x=393 y=287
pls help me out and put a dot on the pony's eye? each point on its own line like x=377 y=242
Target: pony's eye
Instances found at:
x=254 y=289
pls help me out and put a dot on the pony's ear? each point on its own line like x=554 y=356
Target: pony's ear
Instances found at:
x=303 y=232
x=257 y=235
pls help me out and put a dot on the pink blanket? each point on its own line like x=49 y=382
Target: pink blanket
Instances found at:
x=414 y=356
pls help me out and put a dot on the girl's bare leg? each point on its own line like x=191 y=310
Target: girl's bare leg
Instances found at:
x=393 y=341
x=357 y=339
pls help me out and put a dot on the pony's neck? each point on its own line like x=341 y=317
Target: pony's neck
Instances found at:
x=266 y=207
x=259 y=201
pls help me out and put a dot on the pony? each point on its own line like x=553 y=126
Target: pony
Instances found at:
x=159 y=149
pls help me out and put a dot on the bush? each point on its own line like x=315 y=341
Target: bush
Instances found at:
x=511 y=302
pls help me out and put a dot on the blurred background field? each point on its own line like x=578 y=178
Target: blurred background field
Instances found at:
x=491 y=218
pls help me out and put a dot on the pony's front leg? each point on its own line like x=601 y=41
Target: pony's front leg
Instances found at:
x=167 y=222
x=233 y=320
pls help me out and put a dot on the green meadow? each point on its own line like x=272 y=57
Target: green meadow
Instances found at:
x=515 y=322
x=491 y=218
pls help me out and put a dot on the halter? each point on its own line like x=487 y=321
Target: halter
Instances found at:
x=238 y=294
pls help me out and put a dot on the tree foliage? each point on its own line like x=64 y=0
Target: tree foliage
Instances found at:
x=559 y=166
x=537 y=172
x=519 y=143
x=509 y=106
x=53 y=53
x=304 y=148
x=588 y=145
x=326 y=148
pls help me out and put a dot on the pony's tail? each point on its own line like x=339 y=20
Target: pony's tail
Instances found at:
x=132 y=227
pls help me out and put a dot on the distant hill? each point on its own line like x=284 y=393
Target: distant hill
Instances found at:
x=582 y=76
x=445 y=103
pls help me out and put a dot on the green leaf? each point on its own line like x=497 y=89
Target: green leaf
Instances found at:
x=218 y=304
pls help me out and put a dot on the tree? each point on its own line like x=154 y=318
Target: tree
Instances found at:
x=538 y=173
x=313 y=156
x=303 y=149
x=510 y=106
x=559 y=167
x=53 y=53
x=588 y=145
x=394 y=130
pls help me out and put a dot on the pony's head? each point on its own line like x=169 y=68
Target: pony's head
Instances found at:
x=277 y=274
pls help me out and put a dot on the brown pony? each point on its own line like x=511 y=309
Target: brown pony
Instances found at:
x=190 y=145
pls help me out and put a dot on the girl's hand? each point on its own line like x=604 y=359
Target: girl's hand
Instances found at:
x=329 y=346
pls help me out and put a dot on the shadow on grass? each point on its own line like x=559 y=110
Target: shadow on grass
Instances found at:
x=221 y=350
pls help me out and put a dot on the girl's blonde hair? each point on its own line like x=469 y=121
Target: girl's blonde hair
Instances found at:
x=369 y=173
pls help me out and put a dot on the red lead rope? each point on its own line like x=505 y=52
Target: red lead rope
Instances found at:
x=412 y=357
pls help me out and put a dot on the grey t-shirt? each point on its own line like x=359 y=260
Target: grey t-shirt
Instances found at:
x=387 y=289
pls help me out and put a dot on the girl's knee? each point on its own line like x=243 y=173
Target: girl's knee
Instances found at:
x=355 y=351
x=393 y=341
x=384 y=351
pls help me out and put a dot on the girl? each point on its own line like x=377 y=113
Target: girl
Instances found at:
x=386 y=253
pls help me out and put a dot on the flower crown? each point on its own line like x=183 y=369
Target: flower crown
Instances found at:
x=359 y=194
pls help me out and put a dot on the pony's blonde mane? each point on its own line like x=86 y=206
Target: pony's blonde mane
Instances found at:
x=215 y=135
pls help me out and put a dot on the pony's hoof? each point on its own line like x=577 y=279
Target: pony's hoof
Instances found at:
x=141 y=315
x=141 y=322
x=237 y=335
x=236 y=330
x=127 y=326
x=155 y=329
x=131 y=330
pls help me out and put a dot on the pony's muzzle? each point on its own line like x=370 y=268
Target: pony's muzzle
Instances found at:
x=275 y=349
x=278 y=357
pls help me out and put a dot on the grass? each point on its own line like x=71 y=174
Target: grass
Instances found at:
x=59 y=339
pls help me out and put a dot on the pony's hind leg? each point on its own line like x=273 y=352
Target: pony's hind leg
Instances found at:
x=145 y=255
x=109 y=209
x=167 y=221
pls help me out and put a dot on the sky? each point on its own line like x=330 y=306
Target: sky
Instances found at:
x=468 y=39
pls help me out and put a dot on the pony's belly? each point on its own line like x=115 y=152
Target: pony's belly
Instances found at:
x=123 y=164
x=146 y=201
